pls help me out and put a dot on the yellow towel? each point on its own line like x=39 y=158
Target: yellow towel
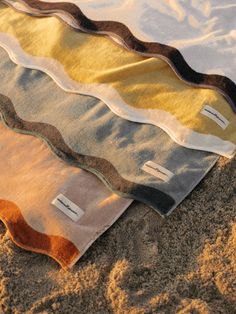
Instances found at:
x=121 y=77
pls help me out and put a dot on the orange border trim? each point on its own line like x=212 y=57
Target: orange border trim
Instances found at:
x=57 y=247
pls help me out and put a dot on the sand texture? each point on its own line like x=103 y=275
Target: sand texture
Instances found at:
x=143 y=264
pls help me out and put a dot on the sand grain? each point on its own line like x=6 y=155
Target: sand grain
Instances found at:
x=143 y=264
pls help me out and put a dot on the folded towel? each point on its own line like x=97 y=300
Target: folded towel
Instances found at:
x=190 y=35
x=31 y=179
x=136 y=88
x=138 y=161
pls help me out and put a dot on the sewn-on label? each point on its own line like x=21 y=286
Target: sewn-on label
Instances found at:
x=69 y=208
x=215 y=116
x=157 y=171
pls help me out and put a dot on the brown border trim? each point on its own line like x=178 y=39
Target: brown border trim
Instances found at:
x=172 y=55
x=23 y=235
x=158 y=200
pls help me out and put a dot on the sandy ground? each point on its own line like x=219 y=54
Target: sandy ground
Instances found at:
x=143 y=264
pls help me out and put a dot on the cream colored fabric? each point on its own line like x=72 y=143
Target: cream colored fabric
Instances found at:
x=31 y=177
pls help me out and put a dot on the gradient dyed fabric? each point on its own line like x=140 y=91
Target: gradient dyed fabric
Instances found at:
x=83 y=131
x=191 y=35
x=136 y=88
x=31 y=178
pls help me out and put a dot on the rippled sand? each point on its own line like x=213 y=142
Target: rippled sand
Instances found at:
x=143 y=264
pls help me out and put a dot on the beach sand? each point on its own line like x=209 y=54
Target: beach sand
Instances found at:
x=143 y=264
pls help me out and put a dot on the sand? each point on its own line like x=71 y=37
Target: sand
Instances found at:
x=143 y=264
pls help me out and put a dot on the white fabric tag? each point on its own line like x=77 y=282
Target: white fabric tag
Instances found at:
x=157 y=171
x=69 y=208
x=215 y=116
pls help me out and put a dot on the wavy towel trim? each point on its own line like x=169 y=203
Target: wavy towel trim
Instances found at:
x=23 y=235
x=150 y=49
x=160 y=118
x=158 y=200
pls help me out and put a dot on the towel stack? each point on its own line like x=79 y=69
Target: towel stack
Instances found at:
x=106 y=102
